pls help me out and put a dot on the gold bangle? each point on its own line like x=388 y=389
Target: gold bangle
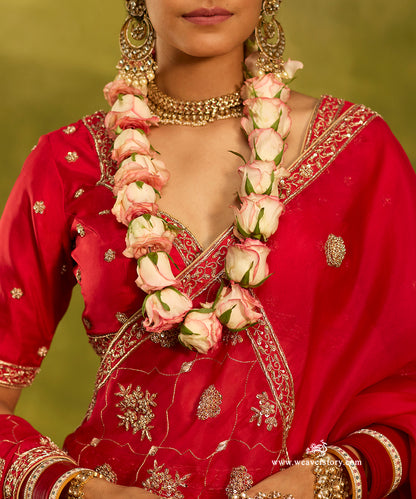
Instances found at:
x=76 y=487
x=263 y=495
x=331 y=478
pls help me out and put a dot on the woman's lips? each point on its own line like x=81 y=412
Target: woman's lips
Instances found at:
x=207 y=16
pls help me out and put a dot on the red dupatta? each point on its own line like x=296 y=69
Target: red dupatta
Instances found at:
x=334 y=352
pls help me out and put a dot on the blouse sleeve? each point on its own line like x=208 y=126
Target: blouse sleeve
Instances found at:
x=35 y=267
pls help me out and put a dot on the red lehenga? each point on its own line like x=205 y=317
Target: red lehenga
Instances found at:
x=334 y=352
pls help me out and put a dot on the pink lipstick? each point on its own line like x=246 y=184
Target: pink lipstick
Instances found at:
x=203 y=16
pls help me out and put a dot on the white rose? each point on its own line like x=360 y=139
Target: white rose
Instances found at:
x=201 y=330
x=246 y=263
x=267 y=145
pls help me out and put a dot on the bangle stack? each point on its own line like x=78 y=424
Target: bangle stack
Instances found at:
x=263 y=495
x=331 y=478
x=76 y=487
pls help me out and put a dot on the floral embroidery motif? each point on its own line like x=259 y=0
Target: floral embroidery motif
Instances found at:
x=80 y=230
x=163 y=483
x=153 y=450
x=306 y=171
x=16 y=293
x=221 y=446
x=17 y=376
x=107 y=472
x=104 y=212
x=232 y=337
x=267 y=409
x=2 y=465
x=335 y=251
x=240 y=481
x=209 y=403
x=39 y=207
x=79 y=193
x=101 y=343
x=137 y=410
x=69 y=129
x=42 y=352
x=94 y=442
x=71 y=157
x=109 y=255
x=167 y=339
x=186 y=367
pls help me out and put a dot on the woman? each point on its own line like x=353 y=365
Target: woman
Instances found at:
x=291 y=365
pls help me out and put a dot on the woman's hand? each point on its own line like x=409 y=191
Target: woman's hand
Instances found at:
x=297 y=480
x=101 y=489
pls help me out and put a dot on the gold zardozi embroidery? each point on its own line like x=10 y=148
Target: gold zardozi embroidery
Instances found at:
x=16 y=376
x=240 y=481
x=16 y=293
x=267 y=410
x=69 y=129
x=162 y=482
x=209 y=404
x=39 y=207
x=137 y=410
x=335 y=251
x=71 y=157
x=107 y=472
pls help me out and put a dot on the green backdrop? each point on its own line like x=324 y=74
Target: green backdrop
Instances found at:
x=55 y=58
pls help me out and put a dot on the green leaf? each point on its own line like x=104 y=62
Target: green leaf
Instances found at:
x=144 y=305
x=153 y=257
x=278 y=158
x=246 y=278
x=256 y=231
x=203 y=310
x=118 y=130
x=186 y=331
x=153 y=149
x=261 y=282
x=147 y=216
x=133 y=156
x=225 y=317
x=239 y=155
x=249 y=186
x=269 y=190
x=241 y=230
x=139 y=184
x=120 y=97
x=164 y=305
x=222 y=286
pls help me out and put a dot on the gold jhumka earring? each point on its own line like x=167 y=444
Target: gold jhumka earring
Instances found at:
x=270 y=40
x=137 y=41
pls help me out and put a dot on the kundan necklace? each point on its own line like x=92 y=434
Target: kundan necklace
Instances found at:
x=194 y=113
x=141 y=175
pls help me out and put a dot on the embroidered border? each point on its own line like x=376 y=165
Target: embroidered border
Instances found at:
x=100 y=343
x=13 y=376
x=325 y=150
x=326 y=112
x=103 y=145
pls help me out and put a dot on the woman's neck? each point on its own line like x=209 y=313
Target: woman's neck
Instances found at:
x=192 y=78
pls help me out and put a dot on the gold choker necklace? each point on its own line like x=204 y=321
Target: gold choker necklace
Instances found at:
x=195 y=112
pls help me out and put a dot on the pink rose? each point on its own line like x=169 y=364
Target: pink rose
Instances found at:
x=258 y=216
x=113 y=89
x=267 y=145
x=236 y=308
x=260 y=177
x=268 y=85
x=291 y=67
x=130 y=142
x=246 y=263
x=201 y=330
x=141 y=168
x=130 y=111
x=134 y=200
x=266 y=113
x=148 y=233
x=163 y=309
x=154 y=272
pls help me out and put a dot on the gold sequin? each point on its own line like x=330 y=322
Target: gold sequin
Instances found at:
x=109 y=255
x=209 y=403
x=107 y=472
x=306 y=171
x=16 y=293
x=267 y=410
x=221 y=446
x=335 y=250
x=94 y=442
x=39 y=207
x=69 y=129
x=153 y=450
x=162 y=482
x=79 y=193
x=80 y=230
x=136 y=409
x=71 y=157
x=240 y=481
x=78 y=275
x=104 y=212
x=64 y=269
x=42 y=352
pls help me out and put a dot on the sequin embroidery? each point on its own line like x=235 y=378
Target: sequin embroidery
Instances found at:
x=39 y=207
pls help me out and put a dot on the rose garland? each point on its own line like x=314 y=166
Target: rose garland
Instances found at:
x=139 y=180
